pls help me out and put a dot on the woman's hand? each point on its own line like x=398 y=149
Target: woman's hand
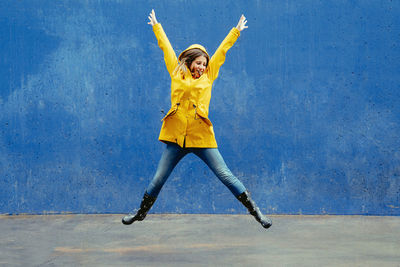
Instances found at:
x=242 y=23
x=153 y=21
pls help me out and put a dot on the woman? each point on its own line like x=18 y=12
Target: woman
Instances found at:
x=186 y=127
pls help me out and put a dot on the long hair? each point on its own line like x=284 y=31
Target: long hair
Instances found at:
x=187 y=57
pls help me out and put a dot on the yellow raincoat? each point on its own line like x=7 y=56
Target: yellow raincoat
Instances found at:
x=187 y=123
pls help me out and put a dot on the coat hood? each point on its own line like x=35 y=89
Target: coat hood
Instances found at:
x=192 y=47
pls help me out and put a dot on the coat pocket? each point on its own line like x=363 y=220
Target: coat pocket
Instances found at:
x=202 y=116
x=171 y=111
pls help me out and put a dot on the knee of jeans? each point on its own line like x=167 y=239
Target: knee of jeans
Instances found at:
x=226 y=175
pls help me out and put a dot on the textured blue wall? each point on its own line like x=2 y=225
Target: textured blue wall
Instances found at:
x=306 y=109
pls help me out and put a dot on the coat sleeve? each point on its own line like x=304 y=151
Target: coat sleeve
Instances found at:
x=218 y=58
x=170 y=58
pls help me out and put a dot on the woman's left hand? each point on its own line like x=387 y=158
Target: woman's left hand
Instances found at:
x=242 y=23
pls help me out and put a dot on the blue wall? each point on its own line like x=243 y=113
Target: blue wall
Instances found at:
x=306 y=109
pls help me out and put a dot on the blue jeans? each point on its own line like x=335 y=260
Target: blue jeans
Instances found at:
x=211 y=156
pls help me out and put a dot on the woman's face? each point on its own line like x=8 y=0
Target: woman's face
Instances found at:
x=198 y=66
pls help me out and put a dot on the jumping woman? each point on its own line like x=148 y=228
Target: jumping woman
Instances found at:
x=186 y=127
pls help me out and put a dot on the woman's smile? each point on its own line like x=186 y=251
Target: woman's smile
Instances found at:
x=198 y=66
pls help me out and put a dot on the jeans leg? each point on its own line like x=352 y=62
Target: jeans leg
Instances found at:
x=170 y=157
x=216 y=163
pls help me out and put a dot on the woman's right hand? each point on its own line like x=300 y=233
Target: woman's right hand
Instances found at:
x=153 y=21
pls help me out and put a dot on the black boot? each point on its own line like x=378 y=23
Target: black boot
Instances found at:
x=253 y=209
x=145 y=206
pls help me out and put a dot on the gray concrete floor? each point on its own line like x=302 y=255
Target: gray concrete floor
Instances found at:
x=199 y=240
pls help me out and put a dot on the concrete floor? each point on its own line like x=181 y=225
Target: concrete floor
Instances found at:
x=199 y=240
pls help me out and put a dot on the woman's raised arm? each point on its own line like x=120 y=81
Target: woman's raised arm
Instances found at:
x=218 y=58
x=169 y=54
